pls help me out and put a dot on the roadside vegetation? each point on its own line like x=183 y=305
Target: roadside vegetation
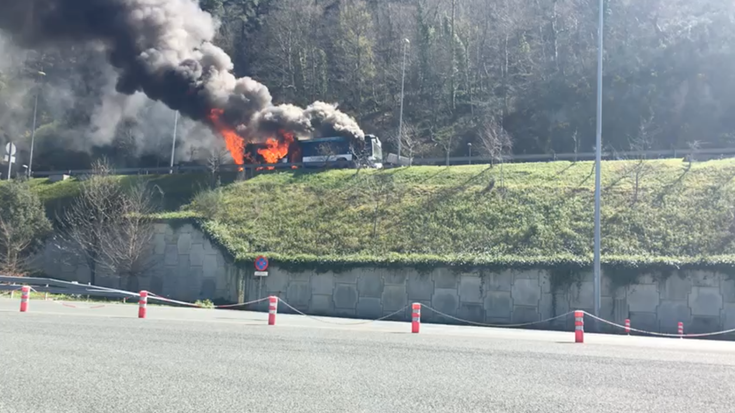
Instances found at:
x=655 y=213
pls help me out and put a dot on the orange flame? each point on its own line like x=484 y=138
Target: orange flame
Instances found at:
x=235 y=143
x=276 y=149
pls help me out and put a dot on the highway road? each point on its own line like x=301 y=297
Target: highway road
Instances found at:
x=60 y=359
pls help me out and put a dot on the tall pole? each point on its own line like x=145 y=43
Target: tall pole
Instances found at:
x=173 y=143
x=598 y=157
x=10 y=159
x=33 y=134
x=403 y=88
x=33 y=131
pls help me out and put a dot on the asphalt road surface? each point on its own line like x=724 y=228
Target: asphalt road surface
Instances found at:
x=61 y=359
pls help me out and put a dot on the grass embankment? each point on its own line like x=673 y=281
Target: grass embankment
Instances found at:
x=540 y=215
x=176 y=190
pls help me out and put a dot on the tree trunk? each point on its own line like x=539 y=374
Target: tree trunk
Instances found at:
x=453 y=60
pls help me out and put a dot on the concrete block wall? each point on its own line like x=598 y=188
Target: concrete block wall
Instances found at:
x=186 y=266
x=703 y=301
x=503 y=298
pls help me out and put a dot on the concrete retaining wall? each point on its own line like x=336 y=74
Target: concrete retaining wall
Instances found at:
x=704 y=301
x=187 y=267
x=184 y=265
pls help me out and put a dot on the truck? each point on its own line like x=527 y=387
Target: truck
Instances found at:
x=334 y=151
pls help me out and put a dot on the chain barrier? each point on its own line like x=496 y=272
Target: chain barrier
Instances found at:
x=404 y=308
x=153 y=296
x=697 y=335
x=451 y=317
x=260 y=300
x=321 y=320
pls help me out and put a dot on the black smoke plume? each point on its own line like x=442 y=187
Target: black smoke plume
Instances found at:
x=164 y=48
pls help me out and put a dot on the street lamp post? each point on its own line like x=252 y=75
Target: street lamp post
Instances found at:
x=33 y=135
x=406 y=42
x=173 y=143
x=29 y=172
x=598 y=158
x=10 y=159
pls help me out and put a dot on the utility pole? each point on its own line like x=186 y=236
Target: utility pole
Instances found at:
x=598 y=159
x=406 y=42
x=33 y=136
x=33 y=131
x=10 y=151
x=173 y=143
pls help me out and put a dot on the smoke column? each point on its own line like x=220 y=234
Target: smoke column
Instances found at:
x=164 y=49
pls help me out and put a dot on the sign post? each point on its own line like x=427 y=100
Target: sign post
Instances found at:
x=10 y=150
x=261 y=266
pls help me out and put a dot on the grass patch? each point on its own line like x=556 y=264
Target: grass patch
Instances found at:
x=678 y=215
x=176 y=190
x=541 y=216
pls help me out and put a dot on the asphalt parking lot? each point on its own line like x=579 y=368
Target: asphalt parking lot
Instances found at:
x=61 y=359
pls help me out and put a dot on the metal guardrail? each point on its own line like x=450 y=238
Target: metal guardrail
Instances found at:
x=193 y=168
x=52 y=286
x=453 y=161
x=583 y=156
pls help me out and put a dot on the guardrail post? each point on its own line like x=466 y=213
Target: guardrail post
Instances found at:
x=415 y=317
x=143 y=304
x=25 y=293
x=272 y=310
x=579 y=326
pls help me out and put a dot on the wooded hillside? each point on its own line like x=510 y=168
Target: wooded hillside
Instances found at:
x=521 y=68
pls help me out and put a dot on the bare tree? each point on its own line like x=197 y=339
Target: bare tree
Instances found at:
x=640 y=144
x=110 y=226
x=409 y=139
x=329 y=153
x=694 y=147
x=381 y=191
x=496 y=142
x=125 y=243
x=444 y=138
x=359 y=155
x=217 y=157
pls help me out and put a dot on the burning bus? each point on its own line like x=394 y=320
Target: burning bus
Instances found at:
x=336 y=151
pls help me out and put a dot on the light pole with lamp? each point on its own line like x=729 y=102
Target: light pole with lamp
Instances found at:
x=29 y=171
x=406 y=42
x=173 y=143
x=598 y=158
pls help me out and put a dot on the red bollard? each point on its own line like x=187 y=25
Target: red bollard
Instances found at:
x=579 y=326
x=272 y=310
x=25 y=293
x=143 y=304
x=627 y=326
x=681 y=329
x=415 y=317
